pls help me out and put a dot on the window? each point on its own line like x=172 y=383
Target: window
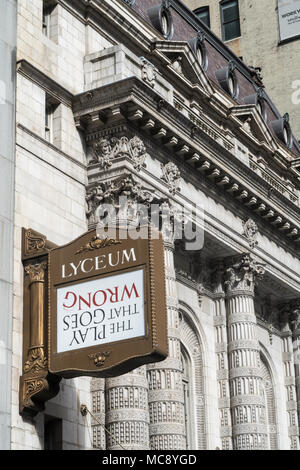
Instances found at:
x=187 y=399
x=50 y=19
x=52 y=433
x=48 y=122
x=51 y=107
x=230 y=18
x=203 y=15
x=46 y=21
x=161 y=18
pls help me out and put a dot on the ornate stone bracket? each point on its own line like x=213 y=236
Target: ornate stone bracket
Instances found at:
x=37 y=385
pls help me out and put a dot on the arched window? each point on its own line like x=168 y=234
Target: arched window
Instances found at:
x=193 y=384
x=186 y=369
x=269 y=398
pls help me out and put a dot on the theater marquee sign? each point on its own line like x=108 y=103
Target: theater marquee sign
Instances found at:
x=94 y=307
x=107 y=311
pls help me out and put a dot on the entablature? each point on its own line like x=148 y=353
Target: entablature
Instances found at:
x=133 y=101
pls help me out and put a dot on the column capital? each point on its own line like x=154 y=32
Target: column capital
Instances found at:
x=242 y=274
x=36 y=272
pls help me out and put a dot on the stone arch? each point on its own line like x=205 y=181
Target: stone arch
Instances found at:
x=193 y=347
x=270 y=403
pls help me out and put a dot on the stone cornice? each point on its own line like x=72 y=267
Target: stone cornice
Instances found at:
x=209 y=157
x=53 y=88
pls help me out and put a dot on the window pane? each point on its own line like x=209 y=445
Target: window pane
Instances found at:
x=230 y=12
x=203 y=15
x=232 y=30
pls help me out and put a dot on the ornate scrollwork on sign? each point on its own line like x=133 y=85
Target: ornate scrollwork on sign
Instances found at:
x=32 y=388
x=244 y=274
x=149 y=72
x=251 y=232
x=171 y=175
x=100 y=358
x=108 y=149
x=34 y=243
x=36 y=361
x=98 y=243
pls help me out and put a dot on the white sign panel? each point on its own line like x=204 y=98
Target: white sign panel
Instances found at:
x=101 y=311
x=289 y=18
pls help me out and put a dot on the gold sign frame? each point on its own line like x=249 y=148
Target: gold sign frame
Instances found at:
x=43 y=366
x=115 y=358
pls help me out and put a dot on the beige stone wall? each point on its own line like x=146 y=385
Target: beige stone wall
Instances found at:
x=259 y=47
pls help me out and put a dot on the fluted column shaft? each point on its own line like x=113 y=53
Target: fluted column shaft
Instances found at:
x=127 y=414
x=247 y=402
x=296 y=353
x=98 y=409
x=221 y=346
x=166 y=397
x=290 y=385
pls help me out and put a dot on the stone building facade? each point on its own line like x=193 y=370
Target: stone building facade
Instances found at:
x=262 y=45
x=134 y=98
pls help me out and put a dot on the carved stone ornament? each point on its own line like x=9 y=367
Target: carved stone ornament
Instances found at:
x=177 y=65
x=295 y=317
x=107 y=149
x=111 y=192
x=243 y=274
x=171 y=175
x=251 y=232
x=149 y=72
x=98 y=243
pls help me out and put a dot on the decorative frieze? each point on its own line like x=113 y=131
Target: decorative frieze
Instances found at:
x=107 y=149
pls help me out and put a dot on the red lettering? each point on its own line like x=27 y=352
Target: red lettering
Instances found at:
x=126 y=291
x=104 y=298
x=86 y=302
x=114 y=296
x=67 y=297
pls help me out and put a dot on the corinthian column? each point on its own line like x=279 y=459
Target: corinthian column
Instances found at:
x=247 y=403
x=295 y=326
x=166 y=397
x=221 y=347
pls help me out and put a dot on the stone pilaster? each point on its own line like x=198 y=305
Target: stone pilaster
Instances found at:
x=290 y=385
x=127 y=414
x=248 y=411
x=221 y=346
x=295 y=326
x=166 y=397
x=98 y=409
